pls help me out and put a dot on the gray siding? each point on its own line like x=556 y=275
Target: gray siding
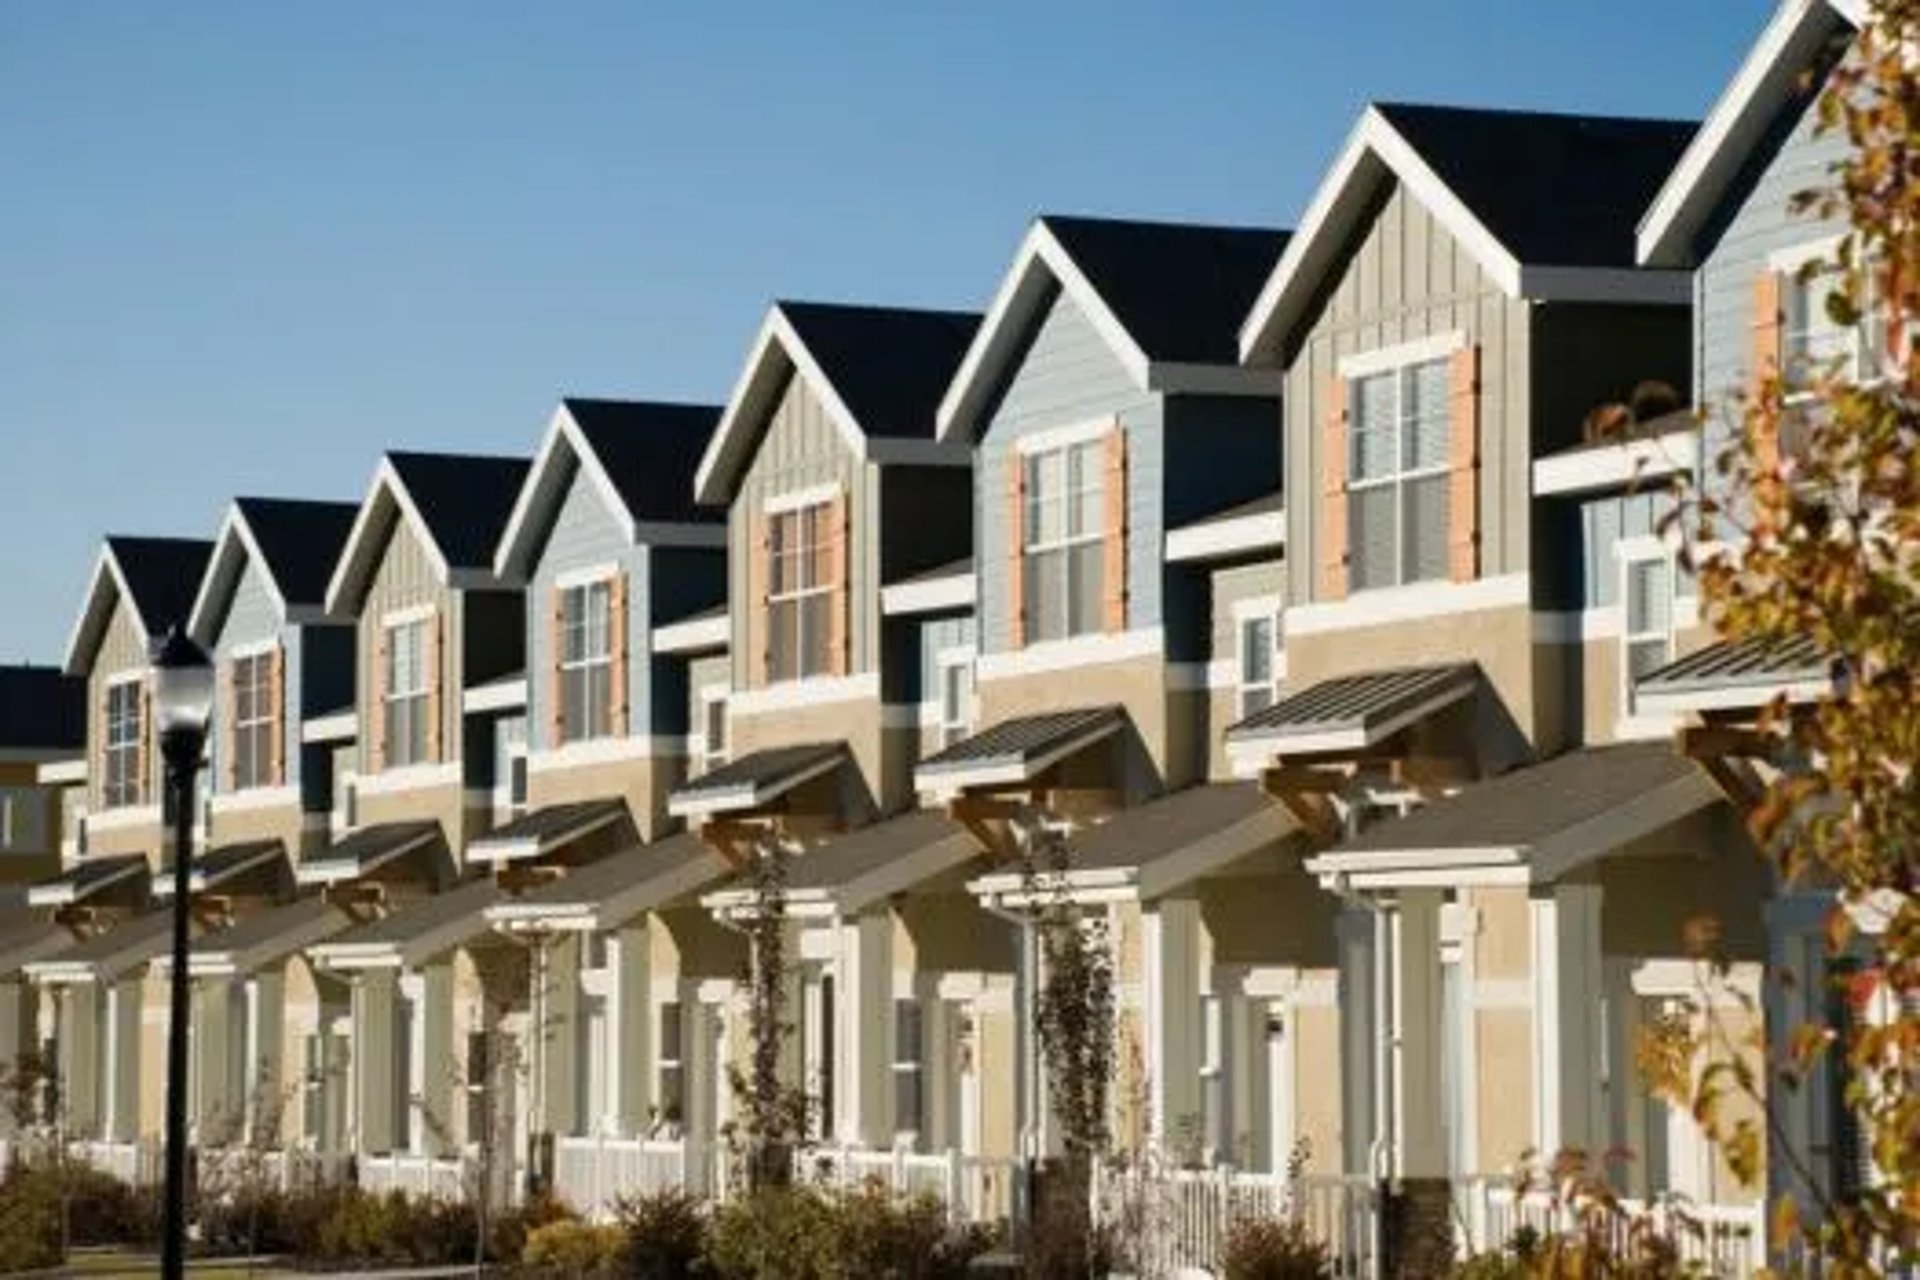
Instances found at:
x=937 y=634
x=1604 y=522
x=405 y=578
x=800 y=449
x=1408 y=278
x=1069 y=376
x=253 y=618
x=1756 y=224
x=1237 y=583
x=585 y=534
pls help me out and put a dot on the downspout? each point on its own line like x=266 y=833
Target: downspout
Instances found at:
x=1380 y=1149
x=1027 y=1094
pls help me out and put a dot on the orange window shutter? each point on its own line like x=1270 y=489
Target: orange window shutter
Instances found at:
x=435 y=644
x=556 y=651
x=1016 y=550
x=228 y=712
x=143 y=756
x=277 y=690
x=1333 y=532
x=617 y=644
x=376 y=695
x=1113 y=567
x=840 y=611
x=1768 y=353
x=759 y=580
x=1463 y=465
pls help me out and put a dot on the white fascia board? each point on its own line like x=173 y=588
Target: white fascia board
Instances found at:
x=1039 y=259
x=929 y=595
x=946 y=784
x=1384 y=861
x=357 y=557
x=697 y=635
x=748 y=795
x=1490 y=876
x=1733 y=697
x=1373 y=149
x=516 y=537
x=1736 y=122
x=1356 y=739
x=341 y=726
x=351 y=956
x=1622 y=463
x=63 y=773
x=1218 y=539
x=59 y=972
x=495 y=695
x=97 y=610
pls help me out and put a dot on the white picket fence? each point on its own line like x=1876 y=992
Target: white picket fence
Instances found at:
x=224 y=1170
x=594 y=1174
x=1727 y=1240
x=138 y=1164
x=430 y=1177
x=1177 y=1220
x=974 y=1188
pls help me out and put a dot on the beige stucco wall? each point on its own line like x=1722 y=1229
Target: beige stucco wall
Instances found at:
x=1503 y=1056
x=1703 y=868
x=882 y=758
x=1155 y=755
x=1269 y=915
x=644 y=783
x=283 y=822
x=1317 y=1084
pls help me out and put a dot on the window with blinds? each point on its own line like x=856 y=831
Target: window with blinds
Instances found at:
x=909 y=1075
x=405 y=693
x=1646 y=637
x=253 y=721
x=1258 y=641
x=586 y=661
x=801 y=549
x=669 y=1068
x=1064 y=541
x=121 y=784
x=1397 y=468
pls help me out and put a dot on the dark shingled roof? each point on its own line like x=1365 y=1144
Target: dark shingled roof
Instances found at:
x=1021 y=741
x=218 y=865
x=163 y=576
x=1734 y=663
x=771 y=769
x=82 y=880
x=1361 y=703
x=301 y=542
x=1522 y=808
x=1137 y=836
x=470 y=898
x=548 y=827
x=42 y=708
x=650 y=451
x=890 y=365
x=596 y=882
x=1181 y=290
x=367 y=847
x=465 y=500
x=1559 y=190
x=846 y=858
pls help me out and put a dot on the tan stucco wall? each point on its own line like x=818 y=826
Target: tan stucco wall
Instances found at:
x=1652 y=890
x=150 y=838
x=1600 y=688
x=445 y=803
x=1503 y=1057
x=644 y=783
x=1317 y=1084
x=282 y=822
x=1280 y=918
x=995 y=1033
x=949 y=932
x=1157 y=754
x=1503 y=941
x=881 y=757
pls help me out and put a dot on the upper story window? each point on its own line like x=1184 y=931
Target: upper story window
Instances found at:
x=1064 y=532
x=956 y=697
x=802 y=548
x=1646 y=597
x=713 y=729
x=122 y=754
x=253 y=721
x=1397 y=475
x=404 y=690
x=1259 y=646
x=586 y=661
x=23 y=820
x=1813 y=343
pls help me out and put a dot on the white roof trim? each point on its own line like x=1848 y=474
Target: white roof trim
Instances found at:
x=1731 y=697
x=340 y=726
x=106 y=569
x=1620 y=463
x=946 y=784
x=694 y=635
x=1217 y=539
x=63 y=773
x=1020 y=292
x=356 y=558
x=324 y=872
x=234 y=538
x=1739 y=116
x=748 y=795
x=929 y=595
x=61 y=892
x=495 y=695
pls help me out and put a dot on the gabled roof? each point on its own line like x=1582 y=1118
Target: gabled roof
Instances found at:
x=157 y=577
x=1545 y=203
x=1794 y=40
x=613 y=890
x=1016 y=751
x=639 y=454
x=457 y=505
x=1166 y=296
x=878 y=371
x=1352 y=712
x=43 y=710
x=296 y=543
x=756 y=779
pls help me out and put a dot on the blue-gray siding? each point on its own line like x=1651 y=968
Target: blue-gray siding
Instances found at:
x=253 y=618
x=936 y=636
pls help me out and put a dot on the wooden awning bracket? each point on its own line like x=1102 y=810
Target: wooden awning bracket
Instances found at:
x=977 y=813
x=364 y=901
x=1725 y=753
x=1307 y=793
x=731 y=838
x=517 y=878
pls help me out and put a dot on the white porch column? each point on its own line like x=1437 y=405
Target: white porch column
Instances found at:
x=632 y=1083
x=214 y=1112
x=939 y=1132
x=1358 y=933
x=1568 y=989
x=1795 y=993
x=1243 y=1028
x=1175 y=1028
x=703 y=1074
x=863 y=992
x=121 y=1095
x=559 y=1034
x=1421 y=1146
x=375 y=995
x=1626 y=1091
x=80 y=1090
x=437 y=1059
x=267 y=1034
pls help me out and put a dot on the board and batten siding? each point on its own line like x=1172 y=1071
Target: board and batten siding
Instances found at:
x=253 y=618
x=406 y=579
x=1069 y=375
x=1758 y=225
x=585 y=535
x=121 y=650
x=1407 y=279
x=937 y=635
x=1264 y=578
x=800 y=449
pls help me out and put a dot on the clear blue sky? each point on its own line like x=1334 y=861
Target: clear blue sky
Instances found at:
x=244 y=247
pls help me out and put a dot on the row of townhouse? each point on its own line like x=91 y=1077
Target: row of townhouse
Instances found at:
x=1279 y=570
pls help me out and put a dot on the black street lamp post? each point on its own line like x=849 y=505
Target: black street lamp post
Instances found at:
x=183 y=701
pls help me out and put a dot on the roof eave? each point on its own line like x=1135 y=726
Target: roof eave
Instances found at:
x=358 y=558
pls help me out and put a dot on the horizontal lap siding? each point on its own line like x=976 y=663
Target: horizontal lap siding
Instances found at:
x=1230 y=587
x=1069 y=375
x=1409 y=279
x=937 y=635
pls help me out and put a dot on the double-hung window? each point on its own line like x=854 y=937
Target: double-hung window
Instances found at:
x=713 y=728
x=1397 y=464
x=669 y=1069
x=800 y=598
x=586 y=661
x=1064 y=533
x=956 y=697
x=909 y=1055
x=253 y=721
x=405 y=692
x=1646 y=602
x=1813 y=343
x=122 y=750
x=1259 y=640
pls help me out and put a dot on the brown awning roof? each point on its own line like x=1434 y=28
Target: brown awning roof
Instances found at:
x=223 y=865
x=122 y=875
x=1016 y=751
x=364 y=851
x=544 y=830
x=1351 y=713
x=756 y=779
x=1737 y=674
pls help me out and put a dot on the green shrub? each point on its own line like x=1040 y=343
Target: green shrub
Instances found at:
x=665 y=1236
x=574 y=1248
x=778 y=1233
x=29 y=1222
x=802 y=1233
x=1273 y=1249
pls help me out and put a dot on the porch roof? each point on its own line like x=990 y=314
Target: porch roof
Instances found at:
x=544 y=830
x=222 y=865
x=755 y=779
x=87 y=880
x=1354 y=712
x=1016 y=751
x=1166 y=843
x=364 y=851
x=1737 y=675
x=852 y=872
x=104 y=957
x=1537 y=822
x=265 y=937
x=416 y=932
x=26 y=936
x=613 y=890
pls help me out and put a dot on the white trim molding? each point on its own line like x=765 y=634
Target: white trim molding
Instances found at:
x=1434 y=346
x=598 y=751
x=1621 y=463
x=1051 y=438
x=1065 y=655
x=339 y=726
x=815 y=691
x=410 y=777
x=1412 y=603
x=1233 y=536
x=812 y=495
x=693 y=635
x=929 y=595
x=509 y=694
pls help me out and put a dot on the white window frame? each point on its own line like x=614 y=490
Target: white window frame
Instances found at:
x=121 y=789
x=408 y=705
x=1399 y=364
x=807 y=512
x=1246 y=615
x=593 y=623
x=1631 y=553
x=1861 y=350
x=914 y=1067
x=510 y=787
x=955 y=722
x=710 y=753
x=674 y=1123
x=1076 y=495
x=255 y=769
